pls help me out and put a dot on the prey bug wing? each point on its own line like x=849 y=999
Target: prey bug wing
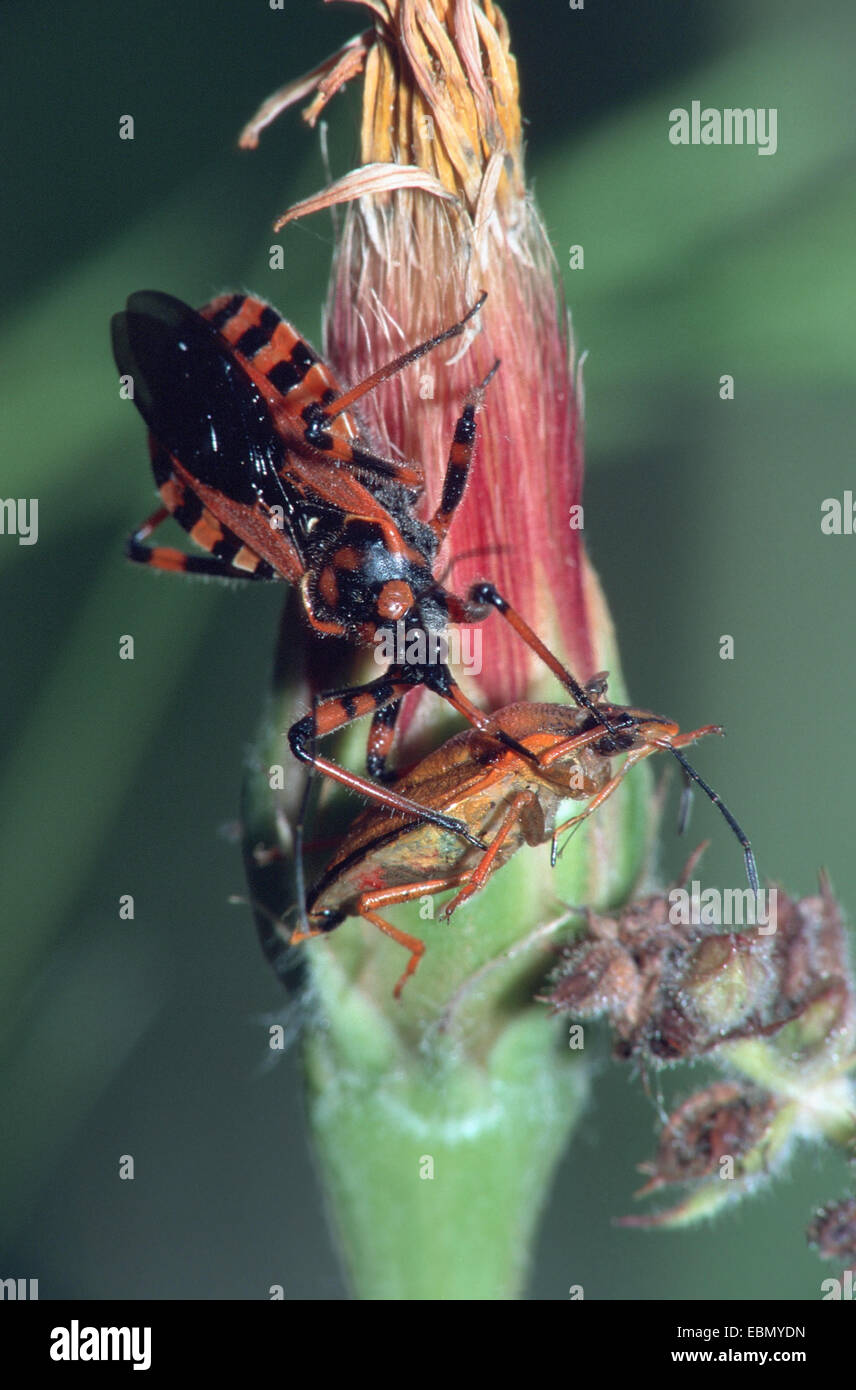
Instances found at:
x=385 y=861
x=507 y=800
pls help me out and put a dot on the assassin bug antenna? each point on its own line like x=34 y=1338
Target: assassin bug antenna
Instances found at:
x=748 y=855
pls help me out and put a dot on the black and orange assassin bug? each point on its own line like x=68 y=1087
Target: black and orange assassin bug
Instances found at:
x=505 y=799
x=256 y=455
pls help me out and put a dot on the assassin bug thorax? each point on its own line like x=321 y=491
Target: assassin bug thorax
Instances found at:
x=256 y=455
x=505 y=799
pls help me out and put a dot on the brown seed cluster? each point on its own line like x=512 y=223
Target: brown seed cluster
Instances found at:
x=776 y=1005
x=674 y=991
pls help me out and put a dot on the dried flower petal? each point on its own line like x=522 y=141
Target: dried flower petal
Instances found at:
x=440 y=212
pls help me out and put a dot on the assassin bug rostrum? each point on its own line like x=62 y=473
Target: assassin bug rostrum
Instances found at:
x=506 y=799
x=256 y=455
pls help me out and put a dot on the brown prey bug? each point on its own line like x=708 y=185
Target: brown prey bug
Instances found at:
x=505 y=799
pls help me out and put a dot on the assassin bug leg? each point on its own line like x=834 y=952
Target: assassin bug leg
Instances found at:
x=440 y=680
x=164 y=557
x=299 y=846
x=482 y=597
x=381 y=736
x=332 y=712
x=460 y=459
x=336 y=708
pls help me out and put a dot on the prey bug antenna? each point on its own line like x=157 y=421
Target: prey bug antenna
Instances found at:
x=748 y=855
x=686 y=805
x=670 y=742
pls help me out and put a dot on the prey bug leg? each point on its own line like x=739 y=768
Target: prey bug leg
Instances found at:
x=523 y=801
x=508 y=800
x=338 y=708
x=671 y=744
x=636 y=755
x=367 y=905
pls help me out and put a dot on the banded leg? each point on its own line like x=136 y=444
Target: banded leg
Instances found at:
x=481 y=598
x=333 y=711
x=337 y=708
x=460 y=459
x=381 y=736
x=439 y=679
x=164 y=557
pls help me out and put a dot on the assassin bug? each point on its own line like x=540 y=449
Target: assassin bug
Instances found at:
x=256 y=455
x=505 y=799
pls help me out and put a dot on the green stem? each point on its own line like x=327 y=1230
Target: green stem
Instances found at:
x=438 y=1119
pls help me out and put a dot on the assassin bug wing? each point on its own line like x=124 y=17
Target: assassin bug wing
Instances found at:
x=220 y=460
x=197 y=399
x=222 y=392
x=300 y=390
x=284 y=367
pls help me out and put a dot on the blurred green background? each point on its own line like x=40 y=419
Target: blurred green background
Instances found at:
x=703 y=518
